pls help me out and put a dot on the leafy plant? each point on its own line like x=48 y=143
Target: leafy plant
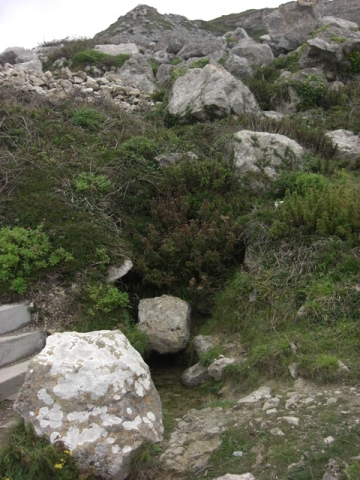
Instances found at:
x=87 y=117
x=201 y=63
x=24 y=253
x=92 y=184
x=105 y=299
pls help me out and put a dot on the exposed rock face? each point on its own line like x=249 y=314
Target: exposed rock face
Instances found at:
x=93 y=392
x=238 y=66
x=210 y=92
x=216 y=369
x=166 y=321
x=262 y=151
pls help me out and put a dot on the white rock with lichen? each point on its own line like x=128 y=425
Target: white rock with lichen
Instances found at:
x=93 y=392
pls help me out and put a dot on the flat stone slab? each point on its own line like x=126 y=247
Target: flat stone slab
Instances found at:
x=11 y=379
x=13 y=317
x=14 y=348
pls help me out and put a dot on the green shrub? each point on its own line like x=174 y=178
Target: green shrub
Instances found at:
x=24 y=253
x=323 y=209
x=201 y=63
x=88 y=118
x=193 y=236
x=210 y=356
x=92 y=184
x=98 y=59
x=105 y=299
x=176 y=61
x=354 y=59
x=311 y=91
x=155 y=64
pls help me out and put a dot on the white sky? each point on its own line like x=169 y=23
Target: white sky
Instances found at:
x=28 y=23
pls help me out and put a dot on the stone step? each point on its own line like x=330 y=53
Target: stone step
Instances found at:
x=14 y=348
x=11 y=379
x=13 y=317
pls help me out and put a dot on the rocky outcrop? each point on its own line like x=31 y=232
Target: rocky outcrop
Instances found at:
x=93 y=392
x=264 y=152
x=166 y=322
x=290 y=25
x=330 y=49
x=210 y=92
x=145 y=26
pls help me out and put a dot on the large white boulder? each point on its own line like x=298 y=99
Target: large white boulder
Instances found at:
x=265 y=152
x=210 y=92
x=93 y=392
x=166 y=322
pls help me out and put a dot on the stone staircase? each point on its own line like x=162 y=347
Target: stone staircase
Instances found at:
x=17 y=346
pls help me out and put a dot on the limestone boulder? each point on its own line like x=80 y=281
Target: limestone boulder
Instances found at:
x=238 y=66
x=216 y=369
x=137 y=72
x=265 y=152
x=166 y=322
x=93 y=392
x=330 y=48
x=210 y=92
x=194 y=375
x=257 y=54
x=290 y=25
x=347 y=143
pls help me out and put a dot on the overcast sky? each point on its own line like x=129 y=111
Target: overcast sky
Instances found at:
x=28 y=23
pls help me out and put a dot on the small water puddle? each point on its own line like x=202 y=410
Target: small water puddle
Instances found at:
x=166 y=371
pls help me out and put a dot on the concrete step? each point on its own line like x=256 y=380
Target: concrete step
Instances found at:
x=13 y=317
x=14 y=348
x=11 y=379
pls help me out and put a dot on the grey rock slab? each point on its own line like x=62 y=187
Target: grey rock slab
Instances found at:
x=13 y=317
x=17 y=347
x=196 y=436
x=194 y=375
x=93 y=392
x=259 y=394
x=11 y=379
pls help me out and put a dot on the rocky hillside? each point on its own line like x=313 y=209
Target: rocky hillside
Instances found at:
x=180 y=214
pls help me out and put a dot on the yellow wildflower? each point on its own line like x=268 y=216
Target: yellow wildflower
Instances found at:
x=58 y=465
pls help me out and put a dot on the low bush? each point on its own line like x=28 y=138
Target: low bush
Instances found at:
x=24 y=253
x=98 y=59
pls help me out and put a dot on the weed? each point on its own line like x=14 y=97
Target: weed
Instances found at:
x=210 y=356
